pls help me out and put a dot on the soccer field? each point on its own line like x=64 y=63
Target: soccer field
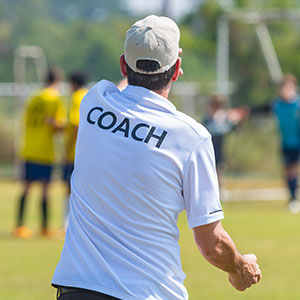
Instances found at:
x=264 y=228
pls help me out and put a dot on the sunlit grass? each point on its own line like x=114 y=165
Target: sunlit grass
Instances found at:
x=264 y=228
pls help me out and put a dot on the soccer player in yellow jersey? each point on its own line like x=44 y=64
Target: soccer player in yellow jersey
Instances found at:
x=44 y=116
x=77 y=83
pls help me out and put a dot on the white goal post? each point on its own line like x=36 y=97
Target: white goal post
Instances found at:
x=260 y=19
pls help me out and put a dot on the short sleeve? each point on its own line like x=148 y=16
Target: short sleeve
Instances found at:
x=200 y=186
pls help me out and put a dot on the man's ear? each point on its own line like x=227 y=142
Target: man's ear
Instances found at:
x=123 y=65
x=177 y=69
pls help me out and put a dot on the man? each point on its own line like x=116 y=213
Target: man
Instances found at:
x=44 y=116
x=77 y=82
x=139 y=163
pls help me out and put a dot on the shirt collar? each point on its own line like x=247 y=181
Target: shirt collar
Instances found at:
x=148 y=98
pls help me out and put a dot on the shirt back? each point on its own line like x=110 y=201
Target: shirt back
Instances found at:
x=138 y=164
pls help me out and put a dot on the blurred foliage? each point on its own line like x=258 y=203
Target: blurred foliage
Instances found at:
x=253 y=147
x=88 y=35
x=248 y=69
x=7 y=126
x=80 y=35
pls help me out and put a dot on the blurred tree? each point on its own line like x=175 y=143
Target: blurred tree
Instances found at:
x=74 y=34
x=248 y=68
x=98 y=11
x=89 y=35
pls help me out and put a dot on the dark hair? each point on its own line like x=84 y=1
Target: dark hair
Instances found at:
x=154 y=82
x=78 y=78
x=218 y=100
x=288 y=78
x=53 y=75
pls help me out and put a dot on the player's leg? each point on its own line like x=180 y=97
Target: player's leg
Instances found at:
x=292 y=180
x=22 y=203
x=44 y=204
x=291 y=159
x=22 y=231
x=218 y=142
x=45 y=175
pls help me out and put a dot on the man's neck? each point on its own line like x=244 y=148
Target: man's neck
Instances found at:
x=164 y=92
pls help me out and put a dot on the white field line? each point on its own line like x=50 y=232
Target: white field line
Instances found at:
x=235 y=195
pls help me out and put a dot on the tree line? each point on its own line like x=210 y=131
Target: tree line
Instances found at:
x=88 y=36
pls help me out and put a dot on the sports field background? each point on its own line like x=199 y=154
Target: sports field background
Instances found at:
x=264 y=228
x=92 y=43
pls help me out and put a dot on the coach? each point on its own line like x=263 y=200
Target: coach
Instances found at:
x=139 y=163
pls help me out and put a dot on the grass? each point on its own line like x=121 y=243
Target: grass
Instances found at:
x=264 y=228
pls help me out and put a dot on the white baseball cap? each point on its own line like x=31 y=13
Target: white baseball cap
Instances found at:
x=152 y=38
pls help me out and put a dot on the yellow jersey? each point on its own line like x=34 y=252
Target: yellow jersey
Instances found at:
x=73 y=122
x=38 y=143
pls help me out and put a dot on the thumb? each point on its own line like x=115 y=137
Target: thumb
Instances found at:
x=250 y=257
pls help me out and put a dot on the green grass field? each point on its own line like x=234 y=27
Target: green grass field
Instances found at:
x=264 y=228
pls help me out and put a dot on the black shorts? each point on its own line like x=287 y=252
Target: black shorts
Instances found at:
x=290 y=156
x=80 y=294
x=35 y=171
x=67 y=172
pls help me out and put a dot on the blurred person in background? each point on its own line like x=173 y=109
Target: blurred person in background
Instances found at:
x=44 y=116
x=286 y=108
x=220 y=121
x=77 y=83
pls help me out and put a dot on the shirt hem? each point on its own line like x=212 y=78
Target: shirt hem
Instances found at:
x=204 y=220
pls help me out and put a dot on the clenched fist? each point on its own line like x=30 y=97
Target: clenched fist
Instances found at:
x=247 y=274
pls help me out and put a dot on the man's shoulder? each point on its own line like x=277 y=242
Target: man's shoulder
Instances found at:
x=279 y=103
x=180 y=123
x=49 y=93
x=47 y=96
x=101 y=89
x=104 y=86
x=195 y=129
x=79 y=95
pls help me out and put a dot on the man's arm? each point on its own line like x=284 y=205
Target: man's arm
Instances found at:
x=217 y=247
x=264 y=109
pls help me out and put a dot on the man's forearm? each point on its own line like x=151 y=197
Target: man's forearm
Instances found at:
x=219 y=249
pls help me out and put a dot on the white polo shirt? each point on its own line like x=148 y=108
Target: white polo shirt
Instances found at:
x=139 y=163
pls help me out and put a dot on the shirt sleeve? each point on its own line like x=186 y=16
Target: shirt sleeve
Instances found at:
x=200 y=186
